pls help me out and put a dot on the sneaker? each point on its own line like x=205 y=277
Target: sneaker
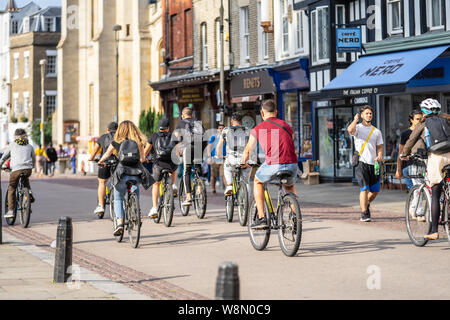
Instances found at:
x=9 y=214
x=153 y=214
x=32 y=199
x=260 y=223
x=229 y=191
x=187 y=203
x=118 y=231
x=365 y=217
x=175 y=190
x=99 y=210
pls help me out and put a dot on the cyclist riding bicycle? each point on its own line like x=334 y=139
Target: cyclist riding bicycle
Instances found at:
x=22 y=163
x=434 y=130
x=275 y=137
x=190 y=134
x=160 y=147
x=128 y=146
x=103 y=173
x=236 y=138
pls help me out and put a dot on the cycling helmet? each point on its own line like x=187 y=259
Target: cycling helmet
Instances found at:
x=430 y=106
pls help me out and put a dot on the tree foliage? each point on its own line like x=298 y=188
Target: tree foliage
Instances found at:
x=148 y=122
x=36 y=131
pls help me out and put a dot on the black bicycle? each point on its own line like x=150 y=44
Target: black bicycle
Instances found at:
x=198 y=194
x=23 y=203
x=166 y=203
x=238 y=197
x=287 y=219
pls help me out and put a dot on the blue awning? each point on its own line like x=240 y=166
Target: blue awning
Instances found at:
x=370 y=74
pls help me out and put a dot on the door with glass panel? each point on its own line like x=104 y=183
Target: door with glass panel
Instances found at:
x=326 y=135
x=343 y=117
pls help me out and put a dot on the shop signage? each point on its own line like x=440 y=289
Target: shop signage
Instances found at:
x=356 y=92
x=435 y=74
x=251 y=84
x=361 y=100
x=348 y=40
x=190 y=95
x=389 y=66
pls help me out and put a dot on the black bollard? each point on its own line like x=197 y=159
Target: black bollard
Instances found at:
x=63 y=254
x=227 y=284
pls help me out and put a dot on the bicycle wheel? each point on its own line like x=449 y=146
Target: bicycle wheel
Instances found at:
x=445 y=216
x=181 y=198
x=168 y=206
x=160 y=209
x=200 y=198
x=229 y=208
x=258 y=237
x=290 y=225
x=243 y=204
x=134 y=220
x=25 y=207
x=9 y=221
x=418 y=221
x=113 y=217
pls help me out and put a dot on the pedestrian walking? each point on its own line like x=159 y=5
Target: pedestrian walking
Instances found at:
x=40 y=161
x=217 y=164
x=73 y=158
x=369 y=145
x=52 y=158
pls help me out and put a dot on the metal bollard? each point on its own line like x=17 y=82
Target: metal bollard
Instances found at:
x=227 y=284
x=63 y=254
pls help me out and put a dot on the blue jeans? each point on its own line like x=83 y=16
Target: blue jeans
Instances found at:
x=267 y=173
x=119 y=194
x=409 y=183
x=74 y=165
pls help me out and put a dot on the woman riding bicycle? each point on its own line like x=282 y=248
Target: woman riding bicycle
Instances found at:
x=434 y=130
x=128 y=146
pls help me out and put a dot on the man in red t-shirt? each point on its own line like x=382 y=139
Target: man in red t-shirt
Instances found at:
x=275 y=137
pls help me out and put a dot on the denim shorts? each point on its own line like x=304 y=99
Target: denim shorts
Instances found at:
x=267 y=172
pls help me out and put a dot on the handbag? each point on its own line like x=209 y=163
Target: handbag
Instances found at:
x=355 y=158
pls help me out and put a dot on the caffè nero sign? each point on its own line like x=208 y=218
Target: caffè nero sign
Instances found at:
x=390 y=66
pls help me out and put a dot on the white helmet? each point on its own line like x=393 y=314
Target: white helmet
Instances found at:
x=430 y=106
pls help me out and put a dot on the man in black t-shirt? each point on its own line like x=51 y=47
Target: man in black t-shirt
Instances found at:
x=161 y=139
x=191 y=147
x=104 y=173
x=403 y=166
x=52 y=157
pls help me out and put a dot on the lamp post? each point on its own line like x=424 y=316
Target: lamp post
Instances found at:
x=117 y=28
x=222 y=72
x=42 y=63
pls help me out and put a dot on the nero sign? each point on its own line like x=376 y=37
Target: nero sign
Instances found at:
x=348 y=40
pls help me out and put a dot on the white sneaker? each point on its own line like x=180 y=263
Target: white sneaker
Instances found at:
x=153 y=214
x=99 y=210
x=9 y=214
x=229 y=191
x=175 y=190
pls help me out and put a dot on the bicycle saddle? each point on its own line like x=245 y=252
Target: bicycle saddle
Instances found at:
x=284 y=174
x=163 y=171
x=132 y=182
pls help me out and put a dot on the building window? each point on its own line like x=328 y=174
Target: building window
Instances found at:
x=26 y=65
x=244 y=35
x=394 y=11
x=263 y=39
x=26 y=25
x=204 y=46
x=435 y=13
x=284 y=26
x=16 y=105
x=340 y=21
x=299 y=32
x=50 y=105
x=14 y=27
x=51 y=65
x=48 y=24
x=319 y=28
x=26 y=104
x=16 y=68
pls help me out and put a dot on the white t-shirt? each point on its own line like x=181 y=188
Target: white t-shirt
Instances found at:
x=370 y=151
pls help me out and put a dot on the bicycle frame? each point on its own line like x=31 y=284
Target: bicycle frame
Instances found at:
x=268 y=199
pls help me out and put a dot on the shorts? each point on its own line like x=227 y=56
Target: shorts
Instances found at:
x=367 y=180
x=158 y=168
x=104 y=173
x=267 y=172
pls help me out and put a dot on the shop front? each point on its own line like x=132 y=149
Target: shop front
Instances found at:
x=394 y=84
x=291 y=81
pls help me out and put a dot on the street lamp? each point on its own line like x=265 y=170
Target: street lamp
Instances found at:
x=222 y=72
x=42 y=63
x=117 y=28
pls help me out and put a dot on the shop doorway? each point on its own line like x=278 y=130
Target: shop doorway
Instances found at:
x=446 y=106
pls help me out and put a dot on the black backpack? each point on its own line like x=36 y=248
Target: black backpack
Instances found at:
x=439 y=129
x=108 y=140
x=163 y=146
x=52 y=155
x=194 y=129
x=129 y=154
x=237 y=138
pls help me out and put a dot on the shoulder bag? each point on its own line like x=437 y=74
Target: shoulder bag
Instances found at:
x=355 y=158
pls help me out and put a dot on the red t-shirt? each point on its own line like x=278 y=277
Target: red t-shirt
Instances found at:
x=277 y=144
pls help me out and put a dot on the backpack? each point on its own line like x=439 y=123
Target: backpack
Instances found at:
x=237 y=138
x=194 y=129
x=52 y=155
x=163 y=146
x=439 y=133
x=129 y=154
x=108 y=140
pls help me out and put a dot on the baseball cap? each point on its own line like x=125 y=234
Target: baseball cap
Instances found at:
x=163 y=124
x=113 y=126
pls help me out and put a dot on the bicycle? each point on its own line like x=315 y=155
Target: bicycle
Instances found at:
x=166 y=203
x=239 y=198
x=198 y=194
x=132 y=212
x=23 y=203
x=287 y=219
x=418 y=221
